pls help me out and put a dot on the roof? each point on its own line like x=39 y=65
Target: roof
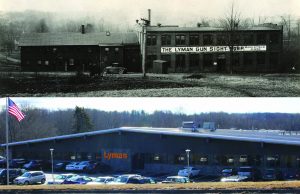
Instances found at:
x=68 y=39
x=259 y=136
x=207 y=29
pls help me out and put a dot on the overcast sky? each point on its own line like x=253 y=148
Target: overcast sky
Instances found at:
x=176 y=105
x=170 y=11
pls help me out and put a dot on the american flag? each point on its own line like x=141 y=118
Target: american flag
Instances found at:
x=14 y=110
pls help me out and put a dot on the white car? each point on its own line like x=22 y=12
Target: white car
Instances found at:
x=71 y=166
x=81 y=166
x=189 y=172
x=58 y=179
x=236 y=178
x=101 y=180
x=176 y=179
x=125 y=179
x=31 y=177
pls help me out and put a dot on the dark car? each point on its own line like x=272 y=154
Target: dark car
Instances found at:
x=37 y=165
x=228 y=172
x=292 y=175
x=114 y=70
x=2 y=162
x=147 y=180
x=96 y=167
x=77 y=180
x=17 y=163
x=60 y=166
x=272 y=174
x=13 y=173
x=252 y=173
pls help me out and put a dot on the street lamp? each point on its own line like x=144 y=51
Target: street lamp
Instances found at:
x=51 y=151
x=188 y=157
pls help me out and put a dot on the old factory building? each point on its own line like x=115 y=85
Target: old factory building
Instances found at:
x=163 y=149
x=79 y=51
x=208 y=49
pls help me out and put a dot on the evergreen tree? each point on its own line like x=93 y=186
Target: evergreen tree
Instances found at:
x=82 y=121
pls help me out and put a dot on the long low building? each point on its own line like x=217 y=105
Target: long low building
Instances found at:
x=163 y=149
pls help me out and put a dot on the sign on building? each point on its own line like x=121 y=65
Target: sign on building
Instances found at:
x=212 y=49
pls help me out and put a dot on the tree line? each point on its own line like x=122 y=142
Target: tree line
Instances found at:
x=41 y=123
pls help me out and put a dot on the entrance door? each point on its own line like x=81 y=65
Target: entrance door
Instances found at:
x=138 y=161
x=221 y=63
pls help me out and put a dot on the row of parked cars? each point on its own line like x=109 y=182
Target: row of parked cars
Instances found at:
x=81 y=166
x=248 y=173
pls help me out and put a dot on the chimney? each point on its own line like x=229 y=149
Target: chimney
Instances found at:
x=82 y=29
x=149 y=16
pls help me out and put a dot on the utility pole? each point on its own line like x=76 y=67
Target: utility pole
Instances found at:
x=143 y=37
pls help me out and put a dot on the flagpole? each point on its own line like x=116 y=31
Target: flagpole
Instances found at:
x=7 y=153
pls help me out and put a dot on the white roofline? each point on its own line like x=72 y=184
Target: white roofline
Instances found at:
x=149 y=130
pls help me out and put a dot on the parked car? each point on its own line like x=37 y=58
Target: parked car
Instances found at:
x=83 y=165
x=60 y=166
x=78 y=180
x=31 y=177
x=126 y=179
x=13 y=173
x=235 y=178
x=189 y=172
x=292 y=175
x=228 y=172
x=114 y=70
x=176 y=179
x=34 y=165
x=2 y=162
x=96 y=167
x=272 y=174
x=101 y=180
x=253 y=174
x=71 y=166
x=147 y=180
x=59 y=179
x=17 y=163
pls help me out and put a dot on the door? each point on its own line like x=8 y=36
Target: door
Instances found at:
x=221 y=63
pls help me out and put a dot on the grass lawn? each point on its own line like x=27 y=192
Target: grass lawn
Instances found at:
x=170 y=85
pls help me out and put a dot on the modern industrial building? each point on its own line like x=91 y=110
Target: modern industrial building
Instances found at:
x=208 y=49
x=163 y=149
x=81 y=51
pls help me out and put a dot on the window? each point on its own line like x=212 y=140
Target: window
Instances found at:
x=207 y=60
x=261 y=58
x=273 y=161
x=106 y=49
x=194 y=39
x=180 y=61
x=151 y=40
x=236 y=39
x=194 y=60
x=261 y=38
x=117 y=49
x=221 y=39
x=46 y=62
x=39 y=62
x=180 y=39
x=274 y=38
x=248 y=58
x=179 y=159
x=71 y=61
x=166 y=58
x=165 y=40
x=248 y=39
x=207 y=39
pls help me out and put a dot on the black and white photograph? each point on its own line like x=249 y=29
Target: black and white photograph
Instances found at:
x=131 y=48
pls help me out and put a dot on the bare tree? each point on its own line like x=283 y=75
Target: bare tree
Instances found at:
x=231 y=23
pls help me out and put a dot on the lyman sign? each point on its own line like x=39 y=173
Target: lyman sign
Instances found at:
x=212 y=49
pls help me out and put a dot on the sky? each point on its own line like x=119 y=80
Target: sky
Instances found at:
x=169 y=11
x=175 y=105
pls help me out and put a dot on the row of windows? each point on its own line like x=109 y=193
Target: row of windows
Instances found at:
x=208 y=60
x=226 y=160
x=208 y=39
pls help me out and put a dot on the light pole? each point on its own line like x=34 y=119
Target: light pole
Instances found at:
x=51 y=151
x=188 y=157
x=188 y=160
